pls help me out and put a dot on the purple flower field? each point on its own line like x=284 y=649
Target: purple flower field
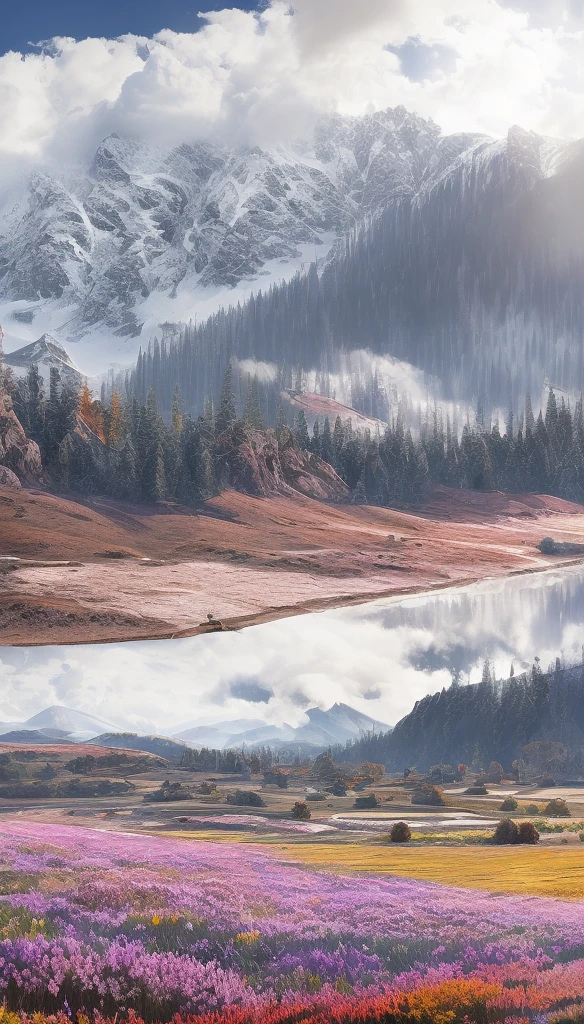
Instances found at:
x=112 y=922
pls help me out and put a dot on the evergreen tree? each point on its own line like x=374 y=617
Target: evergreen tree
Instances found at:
x=251 y=412
x=176 y=415
x=301 y=432
x=226 y=415
x=326 y=444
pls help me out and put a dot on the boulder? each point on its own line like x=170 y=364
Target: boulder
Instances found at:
x=258 y=462
x=19 y=456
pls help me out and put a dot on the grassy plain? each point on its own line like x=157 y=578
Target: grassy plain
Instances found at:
x=528 y=871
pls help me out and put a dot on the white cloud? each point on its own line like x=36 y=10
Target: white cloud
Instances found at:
x=261 y=78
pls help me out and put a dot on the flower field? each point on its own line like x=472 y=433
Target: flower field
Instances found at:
x=115 y=926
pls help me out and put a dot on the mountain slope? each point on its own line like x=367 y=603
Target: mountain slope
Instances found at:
x=473 y=276
x=106 y=248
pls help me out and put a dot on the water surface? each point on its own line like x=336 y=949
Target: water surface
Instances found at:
x=379 y=657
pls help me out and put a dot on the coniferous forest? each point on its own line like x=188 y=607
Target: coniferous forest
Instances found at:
x=533 y=722
x=121 y=444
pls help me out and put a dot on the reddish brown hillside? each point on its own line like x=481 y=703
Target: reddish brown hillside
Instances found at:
x=246 y=558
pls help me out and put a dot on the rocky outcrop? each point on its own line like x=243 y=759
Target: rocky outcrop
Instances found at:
x=257 y=462
x=20 y=458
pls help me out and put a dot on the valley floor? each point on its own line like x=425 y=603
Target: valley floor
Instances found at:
x=98 y=570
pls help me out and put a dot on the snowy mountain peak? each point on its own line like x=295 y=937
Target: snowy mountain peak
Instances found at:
x=45 y=353
x=144 y=235
x=76 y=725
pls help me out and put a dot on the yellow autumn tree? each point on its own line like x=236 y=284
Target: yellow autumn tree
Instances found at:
x=90 y=411
x=116 y=424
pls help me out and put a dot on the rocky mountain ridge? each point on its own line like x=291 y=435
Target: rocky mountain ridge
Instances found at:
x=90 y=247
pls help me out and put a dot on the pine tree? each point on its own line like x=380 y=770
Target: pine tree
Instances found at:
x=316 y=442
x=176 y=415
x=116 y=422
x=150 y=451
x=301 y=432
x=66 y=460
x=326 y=444
x=34 y=404
x=125 y=482
x=251 y=412
x=227 y=415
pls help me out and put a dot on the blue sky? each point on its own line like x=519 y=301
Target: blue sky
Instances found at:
x=38 y=19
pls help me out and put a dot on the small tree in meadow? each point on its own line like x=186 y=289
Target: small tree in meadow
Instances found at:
x=429 y=795
x=400 y=832
x=301 y=811
x=339 y=788
x=246 y=798
x=509 y=804
x=527 y=833
x=557 y=809
x=494 y=772
x=506 y=833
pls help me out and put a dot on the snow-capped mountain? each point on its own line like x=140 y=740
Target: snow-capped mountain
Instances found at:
x=46 y=354
x=143 y=235
x=62 y=722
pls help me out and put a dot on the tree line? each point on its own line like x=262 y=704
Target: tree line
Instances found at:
x=123 y=447
x=532 y=723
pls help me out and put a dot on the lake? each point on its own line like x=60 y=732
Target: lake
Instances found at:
x=379 y=657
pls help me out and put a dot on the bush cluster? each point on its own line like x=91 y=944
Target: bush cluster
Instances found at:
x=508 y=833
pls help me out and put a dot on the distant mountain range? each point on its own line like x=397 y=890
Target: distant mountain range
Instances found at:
x=337 y=725
x=324 y=728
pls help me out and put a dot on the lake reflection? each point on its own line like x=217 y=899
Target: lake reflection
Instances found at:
x=379 y=657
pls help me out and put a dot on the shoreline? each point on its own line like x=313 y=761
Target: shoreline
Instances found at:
x=311 y=607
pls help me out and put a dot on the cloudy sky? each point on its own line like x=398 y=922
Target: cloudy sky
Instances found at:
x=379 y=658
x=264 y=75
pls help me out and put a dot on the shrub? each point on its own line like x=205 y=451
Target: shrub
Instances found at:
x=430 y=795
x=532 y=809
x=400 y=832
x=476 y=791
x=557 y=809
x=441 y=773
x=301 y=811
x=276 y=778
x=339 y=788
x=547 y=782
x=245 y=798
x=207 y=788
x=168 y=792
x=506 y=833
x=509 y=804
x=494 y=772
x=527 y=833
x=363 y=803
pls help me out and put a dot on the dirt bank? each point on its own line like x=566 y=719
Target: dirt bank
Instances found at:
x=246 y=559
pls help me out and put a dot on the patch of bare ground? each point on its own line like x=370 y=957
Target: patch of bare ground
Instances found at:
x=125 y=571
